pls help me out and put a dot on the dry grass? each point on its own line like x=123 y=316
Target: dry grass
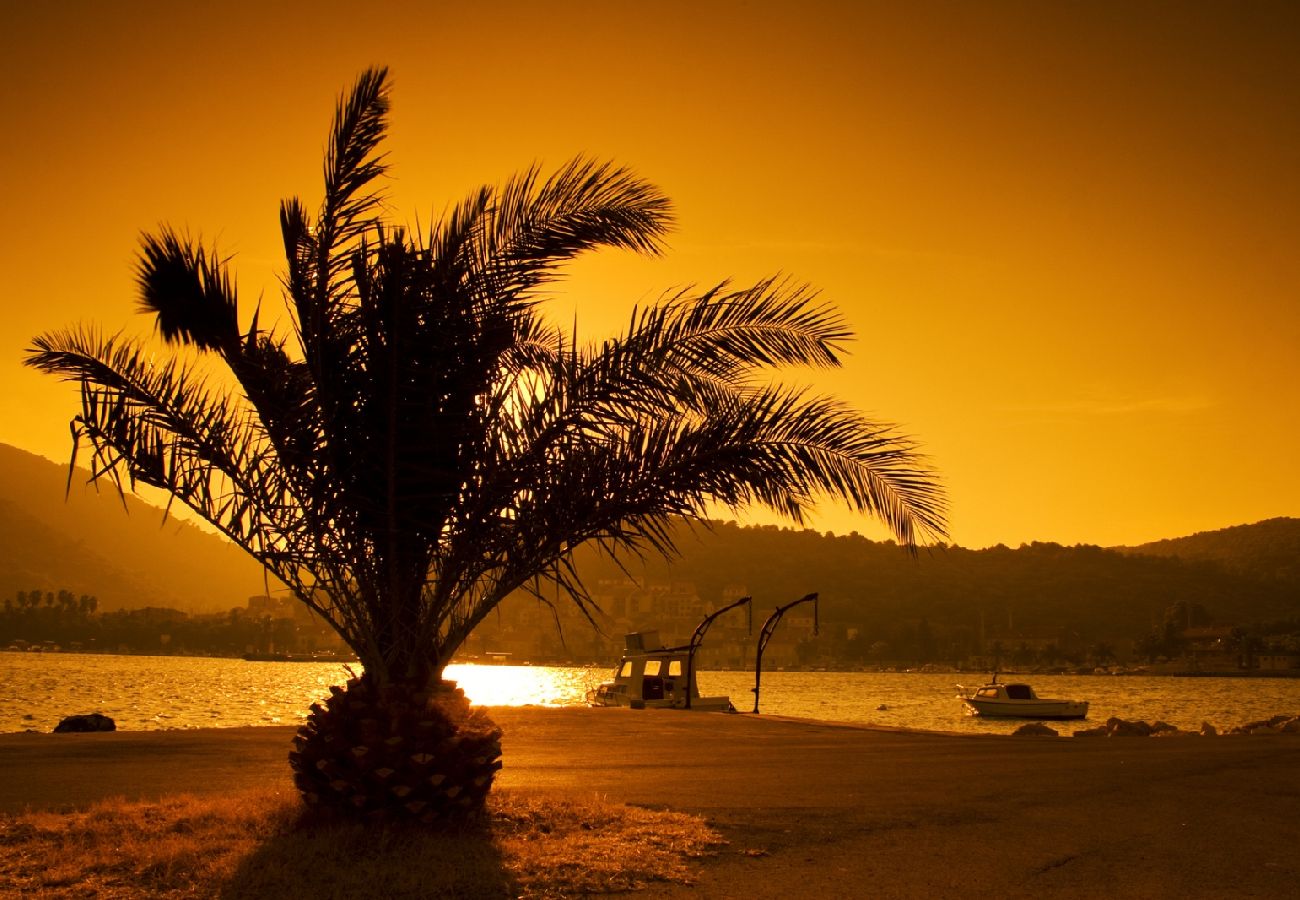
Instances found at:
x=261 y=845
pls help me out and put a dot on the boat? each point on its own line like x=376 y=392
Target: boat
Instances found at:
x=1018 y=701
x=651 y=676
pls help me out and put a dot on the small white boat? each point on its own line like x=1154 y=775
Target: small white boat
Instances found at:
x=662 y=677
x=1018 y=701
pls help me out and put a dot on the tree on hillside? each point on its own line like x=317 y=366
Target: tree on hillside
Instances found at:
x=425 y=443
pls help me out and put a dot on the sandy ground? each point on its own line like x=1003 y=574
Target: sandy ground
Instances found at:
x=820 y=810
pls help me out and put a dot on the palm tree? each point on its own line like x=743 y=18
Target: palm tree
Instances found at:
x=424 y=443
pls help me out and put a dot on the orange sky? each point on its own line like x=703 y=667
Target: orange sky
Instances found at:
x=1066 y=234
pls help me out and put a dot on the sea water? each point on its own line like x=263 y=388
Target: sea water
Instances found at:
x=159 y=692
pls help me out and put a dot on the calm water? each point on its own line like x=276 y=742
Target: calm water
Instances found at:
x=142 y=693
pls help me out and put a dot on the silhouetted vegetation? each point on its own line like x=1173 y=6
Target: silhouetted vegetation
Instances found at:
x=1036 y=605
x=1100 y=593
x=88 y=543
x=61 y=619
x=1265 y=550
x=422 y=442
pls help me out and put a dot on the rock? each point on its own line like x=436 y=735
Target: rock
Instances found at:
x=88 y=722
x=1117 y=727
x=1281 y=724
x=1034 y=729
x=1208 y=730
x=1099 y=731
x=1162 y=728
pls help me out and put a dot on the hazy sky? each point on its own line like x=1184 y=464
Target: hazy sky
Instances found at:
x=1066 y=234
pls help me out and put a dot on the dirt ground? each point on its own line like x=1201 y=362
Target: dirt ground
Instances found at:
x=822 y=810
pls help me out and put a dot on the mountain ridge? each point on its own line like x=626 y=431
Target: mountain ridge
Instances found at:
x=1268 y=548
x=59 y=534
x=88 y=544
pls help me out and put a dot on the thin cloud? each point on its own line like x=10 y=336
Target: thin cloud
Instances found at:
x=806 y=246
x=1120 y=406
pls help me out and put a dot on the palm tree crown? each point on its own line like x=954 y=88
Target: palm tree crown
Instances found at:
x=425 y=443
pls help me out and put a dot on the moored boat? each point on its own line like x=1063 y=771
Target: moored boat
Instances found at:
x=650 y=675
x=1018 y=701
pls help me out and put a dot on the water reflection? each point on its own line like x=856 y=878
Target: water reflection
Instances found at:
x=525 y=685
x=143 y=693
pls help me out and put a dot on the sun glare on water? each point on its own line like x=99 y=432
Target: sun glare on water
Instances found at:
x=493 y=685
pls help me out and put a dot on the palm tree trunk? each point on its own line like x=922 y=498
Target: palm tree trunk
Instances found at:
x=401 y=751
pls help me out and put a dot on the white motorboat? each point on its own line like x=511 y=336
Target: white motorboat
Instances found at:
x=653 y=676
x=1018 y=701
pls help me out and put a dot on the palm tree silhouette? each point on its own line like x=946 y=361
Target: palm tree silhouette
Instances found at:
x=424 y=443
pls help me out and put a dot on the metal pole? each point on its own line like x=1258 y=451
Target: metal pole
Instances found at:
x=698 y=638
x=766 y=634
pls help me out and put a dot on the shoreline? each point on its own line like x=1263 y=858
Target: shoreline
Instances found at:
x=1082 y=672
x=167 y=693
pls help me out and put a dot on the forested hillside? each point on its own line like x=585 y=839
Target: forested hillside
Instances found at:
x=1268 y=549
x=1098 y=593
x=90 y=544
x=1241 y=575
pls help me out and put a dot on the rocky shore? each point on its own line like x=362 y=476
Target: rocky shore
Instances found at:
x=1117 y=727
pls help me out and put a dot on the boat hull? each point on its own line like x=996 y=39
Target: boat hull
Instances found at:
x=1026 y=709
x=609 y=694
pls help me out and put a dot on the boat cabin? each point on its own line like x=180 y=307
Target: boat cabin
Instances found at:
x=1009 y=691
x=658 y=677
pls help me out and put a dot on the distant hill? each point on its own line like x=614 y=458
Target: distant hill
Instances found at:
x=1248 y=573
x=89 y=544
x=1095 y=592
x=1267 y=549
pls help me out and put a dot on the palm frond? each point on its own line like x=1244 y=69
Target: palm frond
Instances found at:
x=351 y=162
x=432 y=443
x=556 y=480
x=795 y=449
x=320 y=255
x=188 y=289
x=725 y=332
x=299 y=253
x=583 y=205
x=283 y=394
x=166 y=427
x=504 y=242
